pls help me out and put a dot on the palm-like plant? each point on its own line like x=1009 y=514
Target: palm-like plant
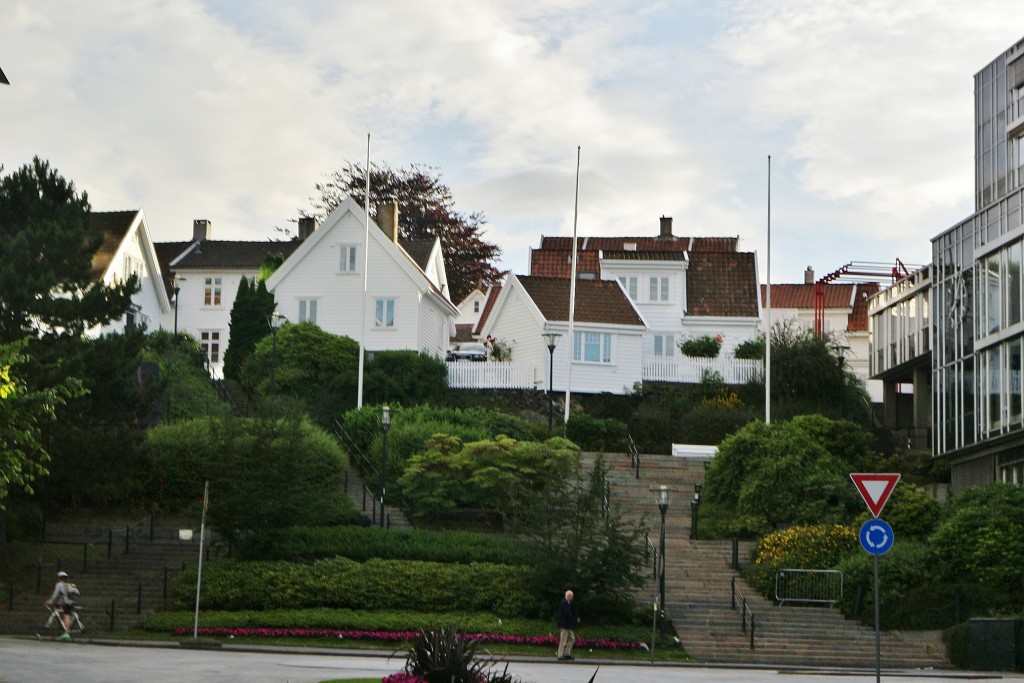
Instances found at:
x=449 y=656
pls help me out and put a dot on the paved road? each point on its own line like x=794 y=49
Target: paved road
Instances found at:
x=30 y=661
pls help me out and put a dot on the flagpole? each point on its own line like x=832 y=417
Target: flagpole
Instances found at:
x=199 y=574
x=366 y=260
x=572 y=290
x=768 y=310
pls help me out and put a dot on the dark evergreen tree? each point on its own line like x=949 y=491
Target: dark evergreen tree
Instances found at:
x=46 y=251
x=250 y=322
x=426 y=209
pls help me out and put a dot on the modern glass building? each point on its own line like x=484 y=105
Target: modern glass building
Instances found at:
x=976 y=298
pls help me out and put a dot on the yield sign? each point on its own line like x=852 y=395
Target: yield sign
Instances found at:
x=875 y=489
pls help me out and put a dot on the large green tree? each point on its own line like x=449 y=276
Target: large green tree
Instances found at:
x=250 y=322
x=46 y=251
x=426 y=210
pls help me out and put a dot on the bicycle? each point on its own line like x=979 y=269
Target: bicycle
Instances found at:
x=57 y=617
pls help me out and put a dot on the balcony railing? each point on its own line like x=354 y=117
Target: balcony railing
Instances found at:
x=691 y=370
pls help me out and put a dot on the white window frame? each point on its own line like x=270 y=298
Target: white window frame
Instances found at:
x=212 y=289
x=348 y=260
x=209 y=344
x=664 y=345
x=307 y=310
x=592 y=347
x=658 y=289
x=383 y=307
x=630 y=283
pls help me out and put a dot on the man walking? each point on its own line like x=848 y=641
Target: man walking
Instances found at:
x=567 y=621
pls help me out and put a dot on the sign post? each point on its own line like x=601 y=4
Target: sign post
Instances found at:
x=876 y=536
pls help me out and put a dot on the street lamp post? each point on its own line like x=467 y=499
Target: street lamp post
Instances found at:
x=276 y=320
x=385 y=425
x=550 y=338
x=662 y=500
x=695 y=509
x=177 y=293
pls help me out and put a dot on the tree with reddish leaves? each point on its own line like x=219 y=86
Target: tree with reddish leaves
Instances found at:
x=426 y=210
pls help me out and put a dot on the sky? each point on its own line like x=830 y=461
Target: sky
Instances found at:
x=232 y=110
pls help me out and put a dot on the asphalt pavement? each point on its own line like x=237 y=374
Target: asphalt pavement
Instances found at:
x=32 y=661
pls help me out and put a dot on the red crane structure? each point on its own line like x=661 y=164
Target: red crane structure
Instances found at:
x=855 y=271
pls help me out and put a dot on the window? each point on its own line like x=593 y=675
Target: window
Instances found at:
x=659 y=289
x=209 y=343
x=211 y=291
x=348 y=258
x=384 y=313
x=307 y=310
x=592 y=347
x=476 y=306
x=664 y=344
x=629 y=283
x=132 y=266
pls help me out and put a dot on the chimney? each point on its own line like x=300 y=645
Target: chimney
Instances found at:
x=666 y=227
x=809 y=276
x=201 y=229
x=307 y=224
x=387 y=219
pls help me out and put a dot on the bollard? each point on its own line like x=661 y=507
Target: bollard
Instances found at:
x=735 y=554
x=151 y=515
x=166 y=574
x=110 y=542
x=111 y=612
x=85 y=558
x=10 y=597
x=39 y=577
x=127 y=535
x=138 y=601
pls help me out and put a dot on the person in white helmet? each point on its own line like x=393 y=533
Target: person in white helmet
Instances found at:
x=64 y=594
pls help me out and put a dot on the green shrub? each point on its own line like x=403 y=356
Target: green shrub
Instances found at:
x=911 y=511
x=979 y=541
x=373 y=585
x=800 y=547
x=704 y=346
x=606 y=435
x=906 y=566
x=363 y=543
x=407 y=377
x=958 y=646
x=750 y=349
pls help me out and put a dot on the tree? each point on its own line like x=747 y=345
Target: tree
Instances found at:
x=46 y=251
x=250 y=322
x=426 y=210
x=23 y=413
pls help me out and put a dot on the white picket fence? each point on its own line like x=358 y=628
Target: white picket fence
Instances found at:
x=691 y=370
x=467 y=374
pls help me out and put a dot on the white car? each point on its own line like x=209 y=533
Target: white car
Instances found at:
x=468 y=351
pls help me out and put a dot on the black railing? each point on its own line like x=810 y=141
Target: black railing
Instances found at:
x=368 y=470
x=746 y=616
x=634 y=454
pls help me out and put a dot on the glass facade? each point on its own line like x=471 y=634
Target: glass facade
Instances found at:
x=978 y=294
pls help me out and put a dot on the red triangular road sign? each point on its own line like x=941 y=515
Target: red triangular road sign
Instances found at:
x=875 y=488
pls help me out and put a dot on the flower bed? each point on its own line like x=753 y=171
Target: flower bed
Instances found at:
x=402 y=636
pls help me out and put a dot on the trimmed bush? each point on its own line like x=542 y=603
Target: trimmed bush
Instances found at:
x=704 y=346
x=373 y=585
x=363 y=543
x=800 y=547
x=605 y=435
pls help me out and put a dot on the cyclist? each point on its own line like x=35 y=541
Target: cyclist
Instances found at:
x=64 y=593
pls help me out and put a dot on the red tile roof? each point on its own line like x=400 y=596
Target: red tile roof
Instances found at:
x=722 y=284
x=642 y=243
x=837 y=295
x=558 y=263
x=597 y=301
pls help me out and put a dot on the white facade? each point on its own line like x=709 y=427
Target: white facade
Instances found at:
x=322 y=281
x=134 y=255
x=471 y=307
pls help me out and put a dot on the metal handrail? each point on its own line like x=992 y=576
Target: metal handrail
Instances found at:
x=634 y=454
x=745 y=612
x=654 y=553
x=366 y=466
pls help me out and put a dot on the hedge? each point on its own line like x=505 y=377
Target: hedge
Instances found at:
x=363 y=543
x=373 y=585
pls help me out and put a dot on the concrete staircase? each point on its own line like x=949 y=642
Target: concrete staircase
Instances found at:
x=123 y=570
x=364 y=498
x=699 y=589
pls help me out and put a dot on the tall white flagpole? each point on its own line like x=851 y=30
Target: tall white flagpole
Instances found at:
x=199 y=573
x=768 y=310
x=366 y=261
x=572 y=290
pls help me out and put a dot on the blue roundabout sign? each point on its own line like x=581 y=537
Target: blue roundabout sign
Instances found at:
x=876 y=536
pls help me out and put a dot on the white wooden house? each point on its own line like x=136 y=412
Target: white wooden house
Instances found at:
x=607 y=346
x=405 y=303
x=127 y=250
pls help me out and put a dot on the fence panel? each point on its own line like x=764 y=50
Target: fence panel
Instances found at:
x=691 y=370
x=465 y=374
x=821 y=586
